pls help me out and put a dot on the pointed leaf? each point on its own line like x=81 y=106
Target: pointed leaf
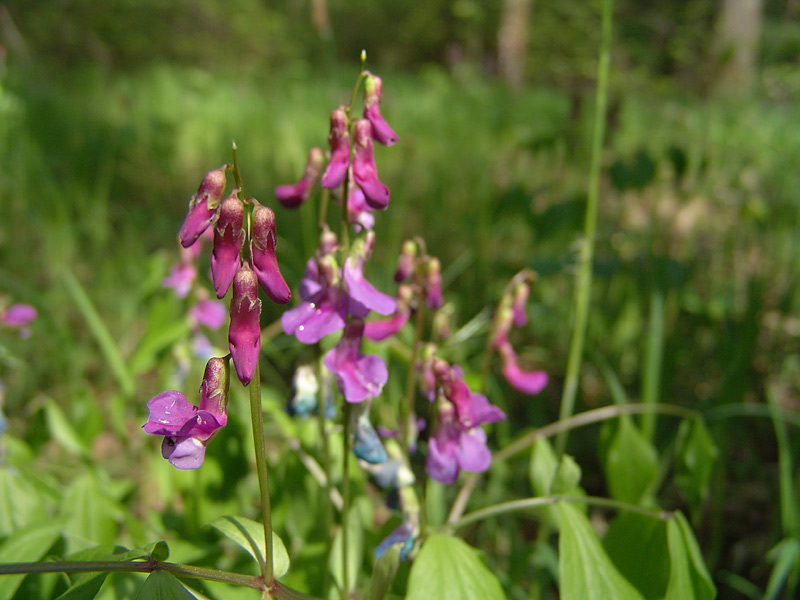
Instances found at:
x=161 y=585
x=631 y=463
x=447 y=568
x=786 y=556
x=85 y=588
x=89 y=513
x=25 y=545
x=20 y=504
x=250 y=535
x=637 y=545
x=542 y=471
x=384 y=573
x=585 y=571
x=689 y=578
x=62 y=430
x=695 y=456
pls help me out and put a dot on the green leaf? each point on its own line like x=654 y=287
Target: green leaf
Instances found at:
x=161 y=585
x=25 y=545
x=786 y=556
x=637 y=545
x=85 y=586
x=89 y=513
x=384 y=573
x=542 y=471
x=630 y=463
x=249 y=535
x=447 y=568
x=585 y=571
x=695 y=456
x=355 y=549
x=567 y=477
x=20 y=504
x=158 y=550
x=689 y=578
x=62 y=430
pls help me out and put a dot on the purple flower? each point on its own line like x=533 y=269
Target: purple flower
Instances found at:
x=18 y=315
x=406 y=262
x=292 y=196
x=209 y=313
x=203 y=206
x=228 y=239
x=244 y=336
x=433 y=283
x=359 y=376
x=359 y=213
x=373 y=89
x=383 y=328
x=324 y=306
x=521 y=293
x=339 y=140
x=265 y=261
x=454 y=447
x=365 y=173
x=527 y=382
x=180 y=278
x=360 y=290
x=187 y=428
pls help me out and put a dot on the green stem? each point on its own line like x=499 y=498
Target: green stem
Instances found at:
x=651 y=378
x=257 y=420
x=528 y=503
x=326 y=465
x=406 y=408
x=237 y=175
x=133 y=567
x=345 y=498
x=584 y=287
x=790 y=524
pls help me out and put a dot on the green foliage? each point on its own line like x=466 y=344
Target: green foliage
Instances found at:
x=448 y=568
x=630 y=462
x=250 y=536
x=695 y=454
x=161 y=585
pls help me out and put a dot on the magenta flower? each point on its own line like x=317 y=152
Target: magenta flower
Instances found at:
x=383 y=328
x=433 y=283
x=406 y=262
x=373 y=89
x=359 y=376
x=187 y=428
x=209 y=313
x=180 y=278
x=244 y=336
x=228 y=239
x=365 y=173
x=17 y=315
x=521 y=293
x=203 y=207
x=324 y=306
x=292 y=196
x=359 y=213
x=265 y=261
x=359 y=289
x=527 y=382
x=339 y=140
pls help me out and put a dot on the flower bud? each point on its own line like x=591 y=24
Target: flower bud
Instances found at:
x=406 y=262
x=373 y=88
x=433 y=283
x=292 y=196
x=365 y=173
x=228 y=239
x=521 y=292
x=214 y=389
x=203 y=206
x=265 y=262
x=244 y=336
x=339 y=140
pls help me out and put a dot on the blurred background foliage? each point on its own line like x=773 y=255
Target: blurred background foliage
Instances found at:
x=111 y=111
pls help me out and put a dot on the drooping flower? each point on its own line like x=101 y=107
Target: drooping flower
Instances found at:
x=359 y=376
x=408 y=531
x=187 y=428
x=265 y=261
x=521 y=292
x=527 y=382
x=228 y=240
x=324 y=306
x=339 y=140
x=365 y=173
x=292 y=196
x=373 y=89
x=203 y=207
x=244 y=336
x=383 y=328
x=359 y=289
x=453 y=447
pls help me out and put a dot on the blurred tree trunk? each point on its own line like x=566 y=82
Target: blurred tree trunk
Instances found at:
x=737 y=42
x=512 y=42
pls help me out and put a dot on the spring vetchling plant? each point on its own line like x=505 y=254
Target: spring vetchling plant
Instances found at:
x=427 y=437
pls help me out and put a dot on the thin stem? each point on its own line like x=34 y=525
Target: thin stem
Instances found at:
x=406 y=407
x=346 y=498
x=137 y=566
x=584 y=287
x=257 y=420
x=326 y=465
x=651 y=378
x=528 y=503
x=237 y=174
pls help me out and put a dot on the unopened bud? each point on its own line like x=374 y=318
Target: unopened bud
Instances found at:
x=292 y=196
x=203 y=206
x=339 y=140
x=406 y=261
x=265 y=261
x=244 y=336
x=433 y=283
x=365 y=173
x=228 y=239
x=214 y=389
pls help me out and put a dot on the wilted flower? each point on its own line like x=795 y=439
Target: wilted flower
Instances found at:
x=203 y=207
x=305 y=389
x=244 y=336
x=365 y=173
x=228 y=239
x=187 y=428
x=292 y=196
x=359 y=376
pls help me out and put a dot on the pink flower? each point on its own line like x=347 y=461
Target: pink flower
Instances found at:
x=228 y=239
x=359 y=376
x=373 y=89
x=265 y=261
x=453 y=447
x=209 y=313
x=17 y=315
x=180 y=278
x=433 y=283
x=527 y=382
x=244 y=335
x=324 y=306
x=360 y=290
x=365 y=173
x=203 y=206
x=292 y=196
x=383 y=328
x=187 y=428
x=359 y=213
x=339 y=140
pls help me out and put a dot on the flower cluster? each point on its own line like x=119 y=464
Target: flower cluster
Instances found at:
x=511 y=312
